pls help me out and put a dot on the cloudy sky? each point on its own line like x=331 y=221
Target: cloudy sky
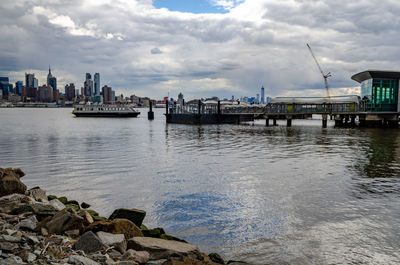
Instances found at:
x=200 y=47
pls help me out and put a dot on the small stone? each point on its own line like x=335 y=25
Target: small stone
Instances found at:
x=8 y=246
x=138 y=256
x=86 y=217
x=85 y=205
x=215 y=257
x=116 y=226
x=72 y=233
x=44 y=231
x=89 y=243
x=156 y=262
x=80 y=260
x=128 y=262
x=11 y=239
x=27 y=256
x=57 y=204
x=33 y=239
x=38 y=194
x=134 y=215
x=37 y=252
x=51 y=197
x=12 y=260
x=116 y=240
x=28 y=223
x=63 y=199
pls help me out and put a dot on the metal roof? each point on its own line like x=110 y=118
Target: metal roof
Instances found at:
x=316 y=100
x=375 y=74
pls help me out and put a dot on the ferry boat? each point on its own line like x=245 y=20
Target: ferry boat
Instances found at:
x=104 y=110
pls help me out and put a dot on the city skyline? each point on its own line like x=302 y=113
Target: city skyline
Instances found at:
x=204 y=48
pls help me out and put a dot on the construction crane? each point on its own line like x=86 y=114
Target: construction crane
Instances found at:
x=325 y=76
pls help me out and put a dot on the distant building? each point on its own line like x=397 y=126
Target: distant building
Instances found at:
x=97 y=99
x=112 y=96
x=29 y=93
x=1 y=94
x=107 y=94
x=262 y=95
x=18 y=87
x=96 y=84
x=88 y=86
x=257 y=99
x=70 y=92
x=35 y=83
x=180 y=99
x=268 y=100
x=29 y=80
x=4 y=86
x=45 y=93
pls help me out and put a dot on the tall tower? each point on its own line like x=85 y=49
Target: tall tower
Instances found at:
x=96 y=84
x=88 y=85
x=49 y=75
x=262 y=95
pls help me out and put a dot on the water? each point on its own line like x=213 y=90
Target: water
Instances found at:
x=268 y=195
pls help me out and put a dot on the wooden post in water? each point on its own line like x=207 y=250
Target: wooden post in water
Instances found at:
x=219 y=107
x=166 y=107
x=267 y=122
x=150 y=114
x=324 y=120
x=198 y=107
x=274 y=122
x=289 y=120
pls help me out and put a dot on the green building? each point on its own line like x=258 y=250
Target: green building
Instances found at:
x=380 y=90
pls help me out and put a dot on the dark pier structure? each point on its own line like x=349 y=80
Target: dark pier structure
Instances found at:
x=378 y=106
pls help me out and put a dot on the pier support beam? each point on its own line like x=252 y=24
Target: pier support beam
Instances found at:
x=353 y=120
x=274 y=122
x=324 y=120
x=150 y=114
x=289 y=120
x=267 y=122
x=338 y=120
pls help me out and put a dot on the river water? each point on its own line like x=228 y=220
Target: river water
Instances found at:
x=267 y=195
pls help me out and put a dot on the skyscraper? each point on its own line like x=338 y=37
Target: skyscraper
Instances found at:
x=96 y=84
x=107 y=94
x=180 y=99
x=18 y=87
x=88 y=86
x=29 y=80
x=51 y=80
x=262 y=95
x=70 y=92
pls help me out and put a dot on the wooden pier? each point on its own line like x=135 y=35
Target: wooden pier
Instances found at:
x=345 y=113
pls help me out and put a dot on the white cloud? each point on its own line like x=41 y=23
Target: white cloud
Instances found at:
x=258 y=42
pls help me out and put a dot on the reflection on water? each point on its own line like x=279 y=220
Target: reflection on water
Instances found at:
x=277 y=195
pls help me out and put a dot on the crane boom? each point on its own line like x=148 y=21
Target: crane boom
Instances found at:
x=325 y=76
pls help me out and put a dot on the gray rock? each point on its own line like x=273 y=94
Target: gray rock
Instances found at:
x=127 y=262
x=11 y=202
x=57 y=204
x=232 y=262
x=156 y=262
x=163 y=249
x=137 y=256
x=116 y=240
x=33 y=239
x=38 y=194
x=11 y=239
x=27 y=256
x=80 y=260
x=12 y=261
x=64 y=220
x=40 y=209
x=89 y=242
x=28 y=223
x=8 y=246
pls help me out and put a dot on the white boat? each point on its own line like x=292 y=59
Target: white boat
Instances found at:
x=104 y=110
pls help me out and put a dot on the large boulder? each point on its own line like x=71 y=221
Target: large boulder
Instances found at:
x=116 y=226
x=65 y=220
x=117 y=241
x=163 y=249
x=10 y=181
x=40 y=209
x=89 y=243
x=134 y=215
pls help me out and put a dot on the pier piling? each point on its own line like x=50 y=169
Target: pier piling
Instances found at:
x=324 y=120
x=150 y=114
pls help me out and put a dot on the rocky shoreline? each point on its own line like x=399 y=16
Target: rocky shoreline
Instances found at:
x=36 y=228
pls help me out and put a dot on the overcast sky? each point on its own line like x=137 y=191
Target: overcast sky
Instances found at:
x=201 y=48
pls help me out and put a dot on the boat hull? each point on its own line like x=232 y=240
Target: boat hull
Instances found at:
x=107 y=115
